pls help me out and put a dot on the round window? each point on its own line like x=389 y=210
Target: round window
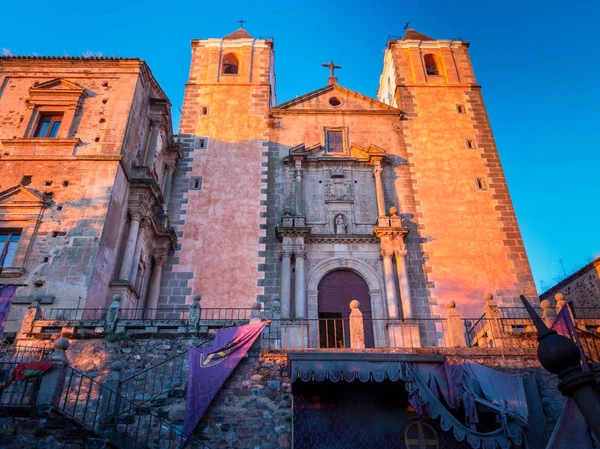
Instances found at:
x=334 y=101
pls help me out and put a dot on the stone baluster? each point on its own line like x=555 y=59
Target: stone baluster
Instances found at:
x=112 y=315
x=128 y=254
x=379 y=189
x=300 y=289
x=286 y=283
x=298 y=177
x=560 y=301
x=357 y=328
x=108 y=400
x=255 y=316
x=455 y=327
x=492 y=314
x=52 y=382
x=194 y=315
x=548 y=312
x=403 y=283
x=33 y=313
x=154 y=290
x=390 y=284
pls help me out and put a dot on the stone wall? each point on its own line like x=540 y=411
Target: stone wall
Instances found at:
x=582 y=288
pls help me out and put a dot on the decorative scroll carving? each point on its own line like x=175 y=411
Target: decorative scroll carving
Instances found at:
x=338 y=190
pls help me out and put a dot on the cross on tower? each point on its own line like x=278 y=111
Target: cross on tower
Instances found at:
x=242 y=21
x=332 y=67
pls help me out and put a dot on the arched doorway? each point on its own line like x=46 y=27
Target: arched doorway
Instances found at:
x=336 y=290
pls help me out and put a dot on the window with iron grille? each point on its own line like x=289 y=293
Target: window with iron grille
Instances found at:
x=335 y=141
x=9 y=241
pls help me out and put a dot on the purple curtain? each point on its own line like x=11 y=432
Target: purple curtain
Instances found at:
x=7 y=294
x=209 y=368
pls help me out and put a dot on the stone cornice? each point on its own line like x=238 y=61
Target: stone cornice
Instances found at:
x=275 y=112
x=342 y=238
x=92 y=157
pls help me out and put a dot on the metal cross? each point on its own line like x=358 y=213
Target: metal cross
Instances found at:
x=242 y=21
x=407 y=24
x=332 y=67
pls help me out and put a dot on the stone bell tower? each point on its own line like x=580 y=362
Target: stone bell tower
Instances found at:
x=219 y=202
x=458 y=193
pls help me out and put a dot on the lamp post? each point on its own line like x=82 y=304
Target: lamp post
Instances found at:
x=560 y=355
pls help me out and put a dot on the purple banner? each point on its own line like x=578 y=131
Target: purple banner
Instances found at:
x=565 y=325
x=7 y=294
x=209 y=368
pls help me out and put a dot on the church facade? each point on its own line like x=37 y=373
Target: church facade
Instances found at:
x=398 y=201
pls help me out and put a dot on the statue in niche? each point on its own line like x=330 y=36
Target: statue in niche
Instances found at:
x=340 y=224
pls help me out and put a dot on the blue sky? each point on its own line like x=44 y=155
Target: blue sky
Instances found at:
x=538 y=62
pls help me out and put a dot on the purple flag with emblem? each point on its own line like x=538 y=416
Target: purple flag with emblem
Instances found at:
x=565 y=325
x=7 y=294
x=209 y=368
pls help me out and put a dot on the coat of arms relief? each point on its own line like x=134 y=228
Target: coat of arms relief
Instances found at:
x=338 y=190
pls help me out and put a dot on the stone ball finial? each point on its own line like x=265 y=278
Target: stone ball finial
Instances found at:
x=275 y=297
x=450 y=304
x=117 y=297
x=256 y=306
x=468 y=323
x=117 y=365
x=546 y=304
x=559 y=297
x=34 y=304
x=61 y=344
x=196 y=297
x=488 y=297
x=393 y=210
x=354 y=304
x=287 y=211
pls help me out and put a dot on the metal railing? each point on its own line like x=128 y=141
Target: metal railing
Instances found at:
x=335 y=333
x=174 y=313
x=73 y=314
x=590 y=342
x=160 y=379
x=517 y=312
x=18 y=393
x=19 y=353
x=93 y=405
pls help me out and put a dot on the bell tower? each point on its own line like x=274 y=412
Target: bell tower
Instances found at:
x=218 y=203
x=458 y=193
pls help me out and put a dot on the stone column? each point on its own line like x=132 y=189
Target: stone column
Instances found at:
x=357 y=329
x=390 y=285
x=548 y=313
x=298 y=176
x=168 y=183
x=560 y=301
x=138 y=252
x=52 y=382
x=32 y=314
x=154 y=290
x=492 y=314
x=286 y=283
x=379 y=190
x=108 y=400
x=152 y=145
x=194 y=315
x=300 y=285
x=455 y=329
x=403 y=283
x=112 y=315
x=130 y=245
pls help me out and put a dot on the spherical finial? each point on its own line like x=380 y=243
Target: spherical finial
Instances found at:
x=275 y=297
x=287 y=211
x=468 y=323
x=393 y=210
x=256 y=306
x=354 y=304
x=450 y=304
x=558 y=353
x=488 y=297
x=117 y=365
x=196 y=297
x=546 y=304
x=61 y=344
x=559 y=297
x=117 y=297
x=34 y=304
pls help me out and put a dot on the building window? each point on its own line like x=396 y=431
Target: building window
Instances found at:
x=481 y=184
x=196 y=183
x=48 y=125
x=431 y=66
x=230 y=64
x=334 y=141
x=470 y=144
x=8 y=247
x=461 y=109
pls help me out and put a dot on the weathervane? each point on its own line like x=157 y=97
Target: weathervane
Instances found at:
x=332 y=67
x=242 y=21
x=406 y=25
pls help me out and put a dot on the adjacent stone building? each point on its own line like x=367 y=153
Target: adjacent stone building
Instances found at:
x=581 y=289
x=86 y=162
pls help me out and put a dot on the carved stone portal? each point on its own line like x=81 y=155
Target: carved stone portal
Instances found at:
x=338 y=190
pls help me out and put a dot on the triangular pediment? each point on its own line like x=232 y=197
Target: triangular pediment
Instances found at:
x=58 y=83
x=355 y=152
x=326 y=100
x=20 y=196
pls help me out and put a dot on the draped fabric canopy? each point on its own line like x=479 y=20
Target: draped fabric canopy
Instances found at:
x=434 y=387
